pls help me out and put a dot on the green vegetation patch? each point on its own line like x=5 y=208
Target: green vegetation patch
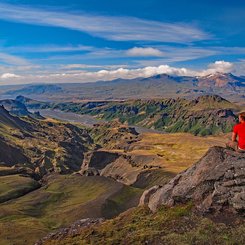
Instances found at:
x=13 y=186
x=62 y=201
x=126 y=198
x=170 y=226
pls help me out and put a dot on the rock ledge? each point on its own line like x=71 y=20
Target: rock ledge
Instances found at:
x=216 y=183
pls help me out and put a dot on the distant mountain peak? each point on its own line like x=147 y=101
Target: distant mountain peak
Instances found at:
x=221 y=80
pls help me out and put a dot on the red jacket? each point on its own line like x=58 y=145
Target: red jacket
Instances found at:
x=239 y=129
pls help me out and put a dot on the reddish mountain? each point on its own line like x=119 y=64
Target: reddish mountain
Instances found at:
x=221 y=80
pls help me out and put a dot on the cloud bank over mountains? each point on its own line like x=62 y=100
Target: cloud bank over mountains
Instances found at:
x=70 y=75
x=60 y=43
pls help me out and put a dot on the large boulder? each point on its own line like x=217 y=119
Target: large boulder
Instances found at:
x=215 y=183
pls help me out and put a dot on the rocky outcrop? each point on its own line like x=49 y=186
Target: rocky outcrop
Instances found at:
x=114 y=135
x=42 y=146
x=6 y=119
x=72 y=230
x=215 y=183
x=123 y=167
x=90 y=172
x=15 y=107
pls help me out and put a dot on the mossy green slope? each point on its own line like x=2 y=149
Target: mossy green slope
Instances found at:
x=63 y=200
x=13 y=186
x=168 y=226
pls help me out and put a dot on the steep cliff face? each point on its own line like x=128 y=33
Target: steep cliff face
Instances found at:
x=15 y=107
x=216 y=183
x=41 y=146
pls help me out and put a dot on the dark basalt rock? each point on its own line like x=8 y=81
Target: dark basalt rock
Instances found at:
x=216 y=183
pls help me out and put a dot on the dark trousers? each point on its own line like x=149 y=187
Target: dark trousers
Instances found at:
x=234 y=146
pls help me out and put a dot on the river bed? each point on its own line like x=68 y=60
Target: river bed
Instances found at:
x=86 y=120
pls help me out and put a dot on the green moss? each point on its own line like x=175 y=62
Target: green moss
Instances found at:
x=65 y=199
x=121 y=201
x=176 y=225
x=14 y=186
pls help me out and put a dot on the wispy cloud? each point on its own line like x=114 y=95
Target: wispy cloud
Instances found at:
x=48 y=48
x=12 y=59
x=107 y=27
x=153 y=55
x=85 y=66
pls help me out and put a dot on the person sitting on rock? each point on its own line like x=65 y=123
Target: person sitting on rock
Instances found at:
x=238 y=132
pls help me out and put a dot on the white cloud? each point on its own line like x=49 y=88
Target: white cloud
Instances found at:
x=221 y=66
x=92 y=76
x=80 y=66
x=218 y=66
x=138 y=51
x=108 y=27
x=9 y=75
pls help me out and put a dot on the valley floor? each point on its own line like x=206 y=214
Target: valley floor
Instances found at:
x=64 y=199
x=30 y=208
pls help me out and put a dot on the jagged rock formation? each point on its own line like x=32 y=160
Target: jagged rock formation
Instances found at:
x=11 y=121
x=42 y=146
x=216 y=183
x=15 y=107
x=18 y=108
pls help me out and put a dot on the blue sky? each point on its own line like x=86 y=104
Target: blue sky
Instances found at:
x=89 y=40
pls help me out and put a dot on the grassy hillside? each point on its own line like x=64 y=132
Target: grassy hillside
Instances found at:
x=50 y=153
x=170 y=226
x=13 y=186
x=174 y=152
x=63 y=200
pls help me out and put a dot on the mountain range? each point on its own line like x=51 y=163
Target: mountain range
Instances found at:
x=160 y=86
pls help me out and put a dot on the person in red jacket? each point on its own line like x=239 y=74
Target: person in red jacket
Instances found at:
x=238 y=136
